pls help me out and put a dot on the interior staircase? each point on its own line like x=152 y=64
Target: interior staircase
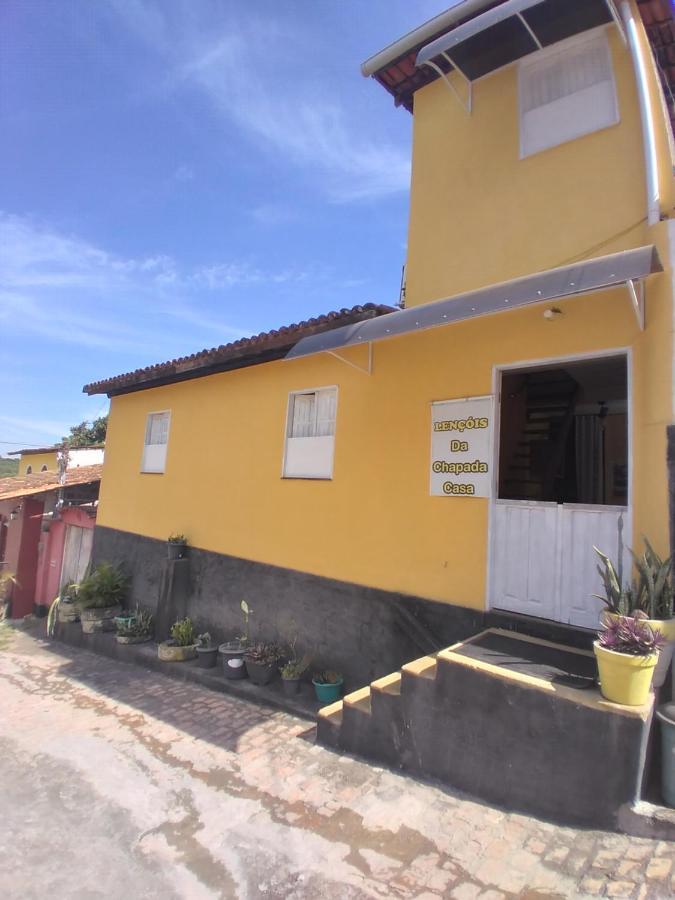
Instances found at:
x=549 y=412
x=508 y=725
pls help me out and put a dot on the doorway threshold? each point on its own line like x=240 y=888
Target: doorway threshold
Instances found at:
x=546 y=629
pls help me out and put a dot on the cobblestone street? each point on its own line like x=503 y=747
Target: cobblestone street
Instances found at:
x=117 y=782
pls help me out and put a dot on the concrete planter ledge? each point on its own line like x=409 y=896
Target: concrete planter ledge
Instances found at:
x=303 y=704
x=514 y=720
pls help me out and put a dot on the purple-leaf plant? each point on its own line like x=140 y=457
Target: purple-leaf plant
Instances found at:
x=630 y=634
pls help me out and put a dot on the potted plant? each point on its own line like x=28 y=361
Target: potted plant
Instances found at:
x=207 y=652
x=651 y=593
x=135 y=629
x=68 y=610
x=7 y=582
x=100 y=596
x=627 y=651
x=232 y=652
x=182 y=644
x=261 y=661
x=291 y=673
x=327 y=685
x=176 y=545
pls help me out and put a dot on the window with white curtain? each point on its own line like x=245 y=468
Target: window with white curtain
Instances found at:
x=310 y=434
x=156 y=441
x=565 y=93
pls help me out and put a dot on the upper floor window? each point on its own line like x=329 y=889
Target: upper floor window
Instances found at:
x=29 y=470
x=44 y=468
x=310 y=434
x=565 y=93
x=156 y=440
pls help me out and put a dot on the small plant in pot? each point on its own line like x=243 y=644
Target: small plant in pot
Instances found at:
x=182 y=645
x=261 y=662
x=135 y=629
x=651 y=593
x=627 y=651
x=176 y=546
x=291 y=673
x=327 y=685
x=100 y=596
x=232 y=652
x=207 y=651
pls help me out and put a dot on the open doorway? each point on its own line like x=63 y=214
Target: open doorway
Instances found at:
x=563 y=487
x=564 y=433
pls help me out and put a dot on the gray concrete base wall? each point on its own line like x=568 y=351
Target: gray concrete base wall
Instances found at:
x=503 y=741
x=362 y=632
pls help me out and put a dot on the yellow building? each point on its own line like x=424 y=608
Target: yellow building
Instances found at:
x=40 y=459
x=380 y=479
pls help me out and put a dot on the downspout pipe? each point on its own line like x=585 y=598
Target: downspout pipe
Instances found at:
x=646 y=116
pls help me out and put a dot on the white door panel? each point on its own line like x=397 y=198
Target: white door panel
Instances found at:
x=581 y=529
x=525 y=543
x=543 y=559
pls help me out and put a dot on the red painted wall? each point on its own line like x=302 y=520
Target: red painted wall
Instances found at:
x=21 y=554
x=51 y=556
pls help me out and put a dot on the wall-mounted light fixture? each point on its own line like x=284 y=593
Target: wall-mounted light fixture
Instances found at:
x=15 y=513
x=552 y=313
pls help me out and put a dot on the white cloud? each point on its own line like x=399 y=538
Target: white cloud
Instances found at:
x=65 y=289
x=184 y=173
x=248 y=74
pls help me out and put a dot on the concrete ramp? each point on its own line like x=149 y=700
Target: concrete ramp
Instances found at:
x=512 y=719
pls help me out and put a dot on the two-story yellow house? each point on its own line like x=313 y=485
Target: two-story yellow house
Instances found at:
x=378 y=478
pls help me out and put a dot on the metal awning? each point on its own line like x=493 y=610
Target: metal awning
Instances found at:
x=627 y=268
x=507 y=32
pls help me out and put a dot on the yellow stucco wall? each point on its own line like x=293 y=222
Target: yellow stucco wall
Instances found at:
x=374 y=523
x=37 y=461
x=479 y=215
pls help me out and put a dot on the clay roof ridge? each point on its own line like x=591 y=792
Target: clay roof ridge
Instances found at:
x=257 y=344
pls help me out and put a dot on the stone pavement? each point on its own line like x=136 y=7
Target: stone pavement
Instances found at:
x=120 y=783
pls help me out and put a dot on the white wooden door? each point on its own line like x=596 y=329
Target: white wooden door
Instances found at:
x=525 y=557
x=76 y=553
x=542 y=558
x=582 y=528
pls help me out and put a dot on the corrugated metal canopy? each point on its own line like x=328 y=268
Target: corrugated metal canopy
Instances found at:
x=512 y=30
x=553 y=284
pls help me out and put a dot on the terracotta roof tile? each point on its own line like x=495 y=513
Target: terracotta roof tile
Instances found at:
x=24 y=485
x=260 y=348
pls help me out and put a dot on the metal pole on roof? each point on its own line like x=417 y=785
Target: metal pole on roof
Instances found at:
x=646 y=115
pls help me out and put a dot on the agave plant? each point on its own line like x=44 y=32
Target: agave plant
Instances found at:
x=654 y=588
x=631 y=635
x=617 y=599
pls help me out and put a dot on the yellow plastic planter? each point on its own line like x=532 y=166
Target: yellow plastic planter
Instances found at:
x=666 y=627
x=624 y=678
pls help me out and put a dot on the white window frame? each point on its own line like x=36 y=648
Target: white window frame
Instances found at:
x=534 y=61
x=292 y=469
x=156 y=468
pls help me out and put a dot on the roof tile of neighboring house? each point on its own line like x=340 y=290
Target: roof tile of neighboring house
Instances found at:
x=260 y=348
x=25 y=485
x=402 y=78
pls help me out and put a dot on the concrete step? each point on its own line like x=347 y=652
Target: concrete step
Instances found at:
x=356 y=720
x=329 y=724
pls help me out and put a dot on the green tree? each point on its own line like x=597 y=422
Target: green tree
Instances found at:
x=87 y=433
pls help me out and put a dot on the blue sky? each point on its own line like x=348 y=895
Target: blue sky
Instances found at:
x=176 y=174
